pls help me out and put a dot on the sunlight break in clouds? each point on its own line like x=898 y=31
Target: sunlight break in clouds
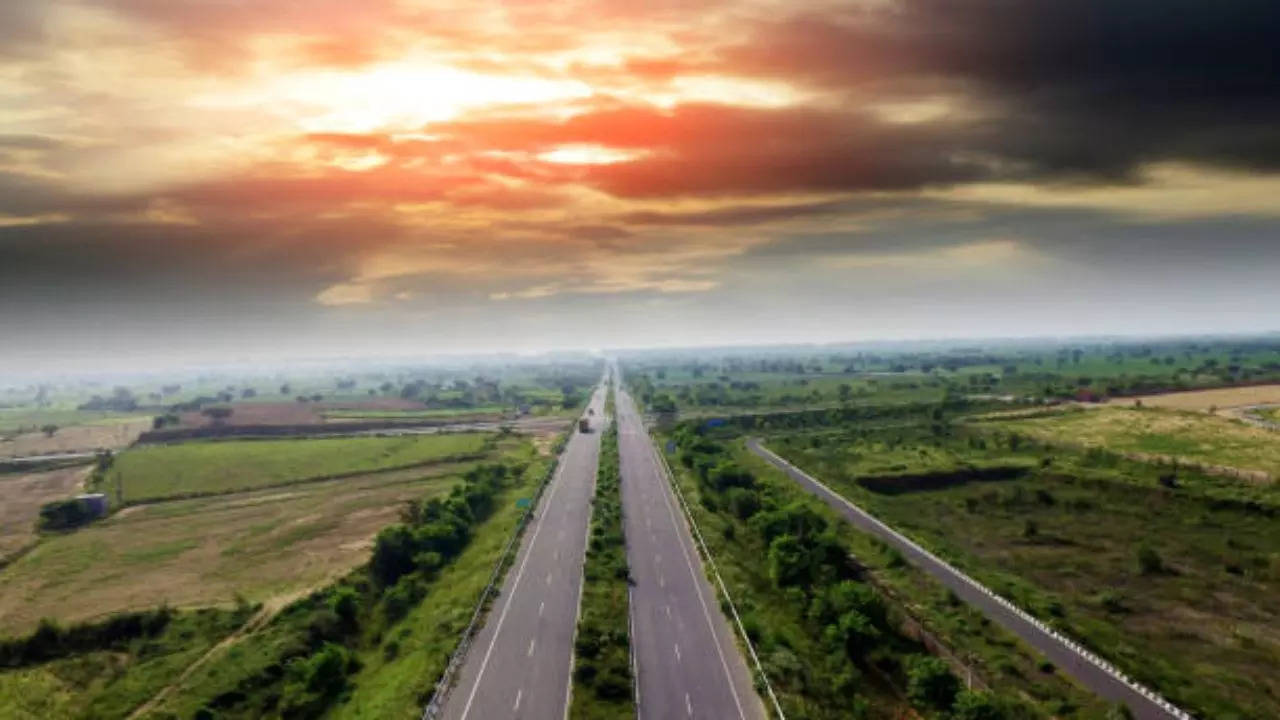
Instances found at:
x=188 y=165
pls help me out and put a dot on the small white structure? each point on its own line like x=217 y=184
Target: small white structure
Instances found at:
x=96 y=503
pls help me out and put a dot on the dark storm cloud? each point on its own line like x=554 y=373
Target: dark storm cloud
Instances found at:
x=1090 y=241
x=1090 y=86
x=757 y=214
x=718 y=149
x=150 y=267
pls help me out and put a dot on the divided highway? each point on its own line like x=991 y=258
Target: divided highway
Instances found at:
x=1089 y=670
x=518 y=664
x=686 y=662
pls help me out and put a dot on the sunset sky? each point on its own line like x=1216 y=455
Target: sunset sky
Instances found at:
x=237 y=178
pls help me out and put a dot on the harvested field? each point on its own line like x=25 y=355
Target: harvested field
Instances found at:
x=300 y=413
x=206 y=551
x=23 y=495
x=482 y=412
x=1213 y=441
x=1206 y=399
x=112 y=435
x=210 y=467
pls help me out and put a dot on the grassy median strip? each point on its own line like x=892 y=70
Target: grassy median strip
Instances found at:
x=602 y=682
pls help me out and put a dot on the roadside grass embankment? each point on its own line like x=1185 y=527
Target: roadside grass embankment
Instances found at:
x=602 y=680
x=101 y=671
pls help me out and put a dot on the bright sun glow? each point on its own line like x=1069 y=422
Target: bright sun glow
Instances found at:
x=394 y=96
x=588 y=155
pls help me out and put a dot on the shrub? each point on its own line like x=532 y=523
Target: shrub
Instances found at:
x=972 y=705
x=1149 y=561
x=930 y=684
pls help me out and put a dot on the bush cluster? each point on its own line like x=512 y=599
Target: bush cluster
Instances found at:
x=51 y=641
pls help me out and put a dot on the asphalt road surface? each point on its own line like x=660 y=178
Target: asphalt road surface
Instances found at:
x=686 y=661
x=518 y=664
x=1061 y=655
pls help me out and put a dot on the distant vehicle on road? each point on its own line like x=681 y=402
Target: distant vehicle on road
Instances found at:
x=584 y=425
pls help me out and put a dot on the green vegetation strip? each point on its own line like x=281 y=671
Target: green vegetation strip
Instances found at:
x=212 y=467
x=602 y=680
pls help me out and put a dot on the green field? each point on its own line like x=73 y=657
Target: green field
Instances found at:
x=149 y=473
x=14 y=420
x=1067 y=541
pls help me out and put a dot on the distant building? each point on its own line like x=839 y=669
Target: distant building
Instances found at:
x=1087 y=395
x=95 y=503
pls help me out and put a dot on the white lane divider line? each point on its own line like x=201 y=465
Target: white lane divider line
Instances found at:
x=677 y=652
x=519 y=694
x=541 y=606
x=688 y=706
x=532 y=642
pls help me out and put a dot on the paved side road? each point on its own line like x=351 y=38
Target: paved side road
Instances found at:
x=1088 y=670
x=518 y=664
x=686 y=661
